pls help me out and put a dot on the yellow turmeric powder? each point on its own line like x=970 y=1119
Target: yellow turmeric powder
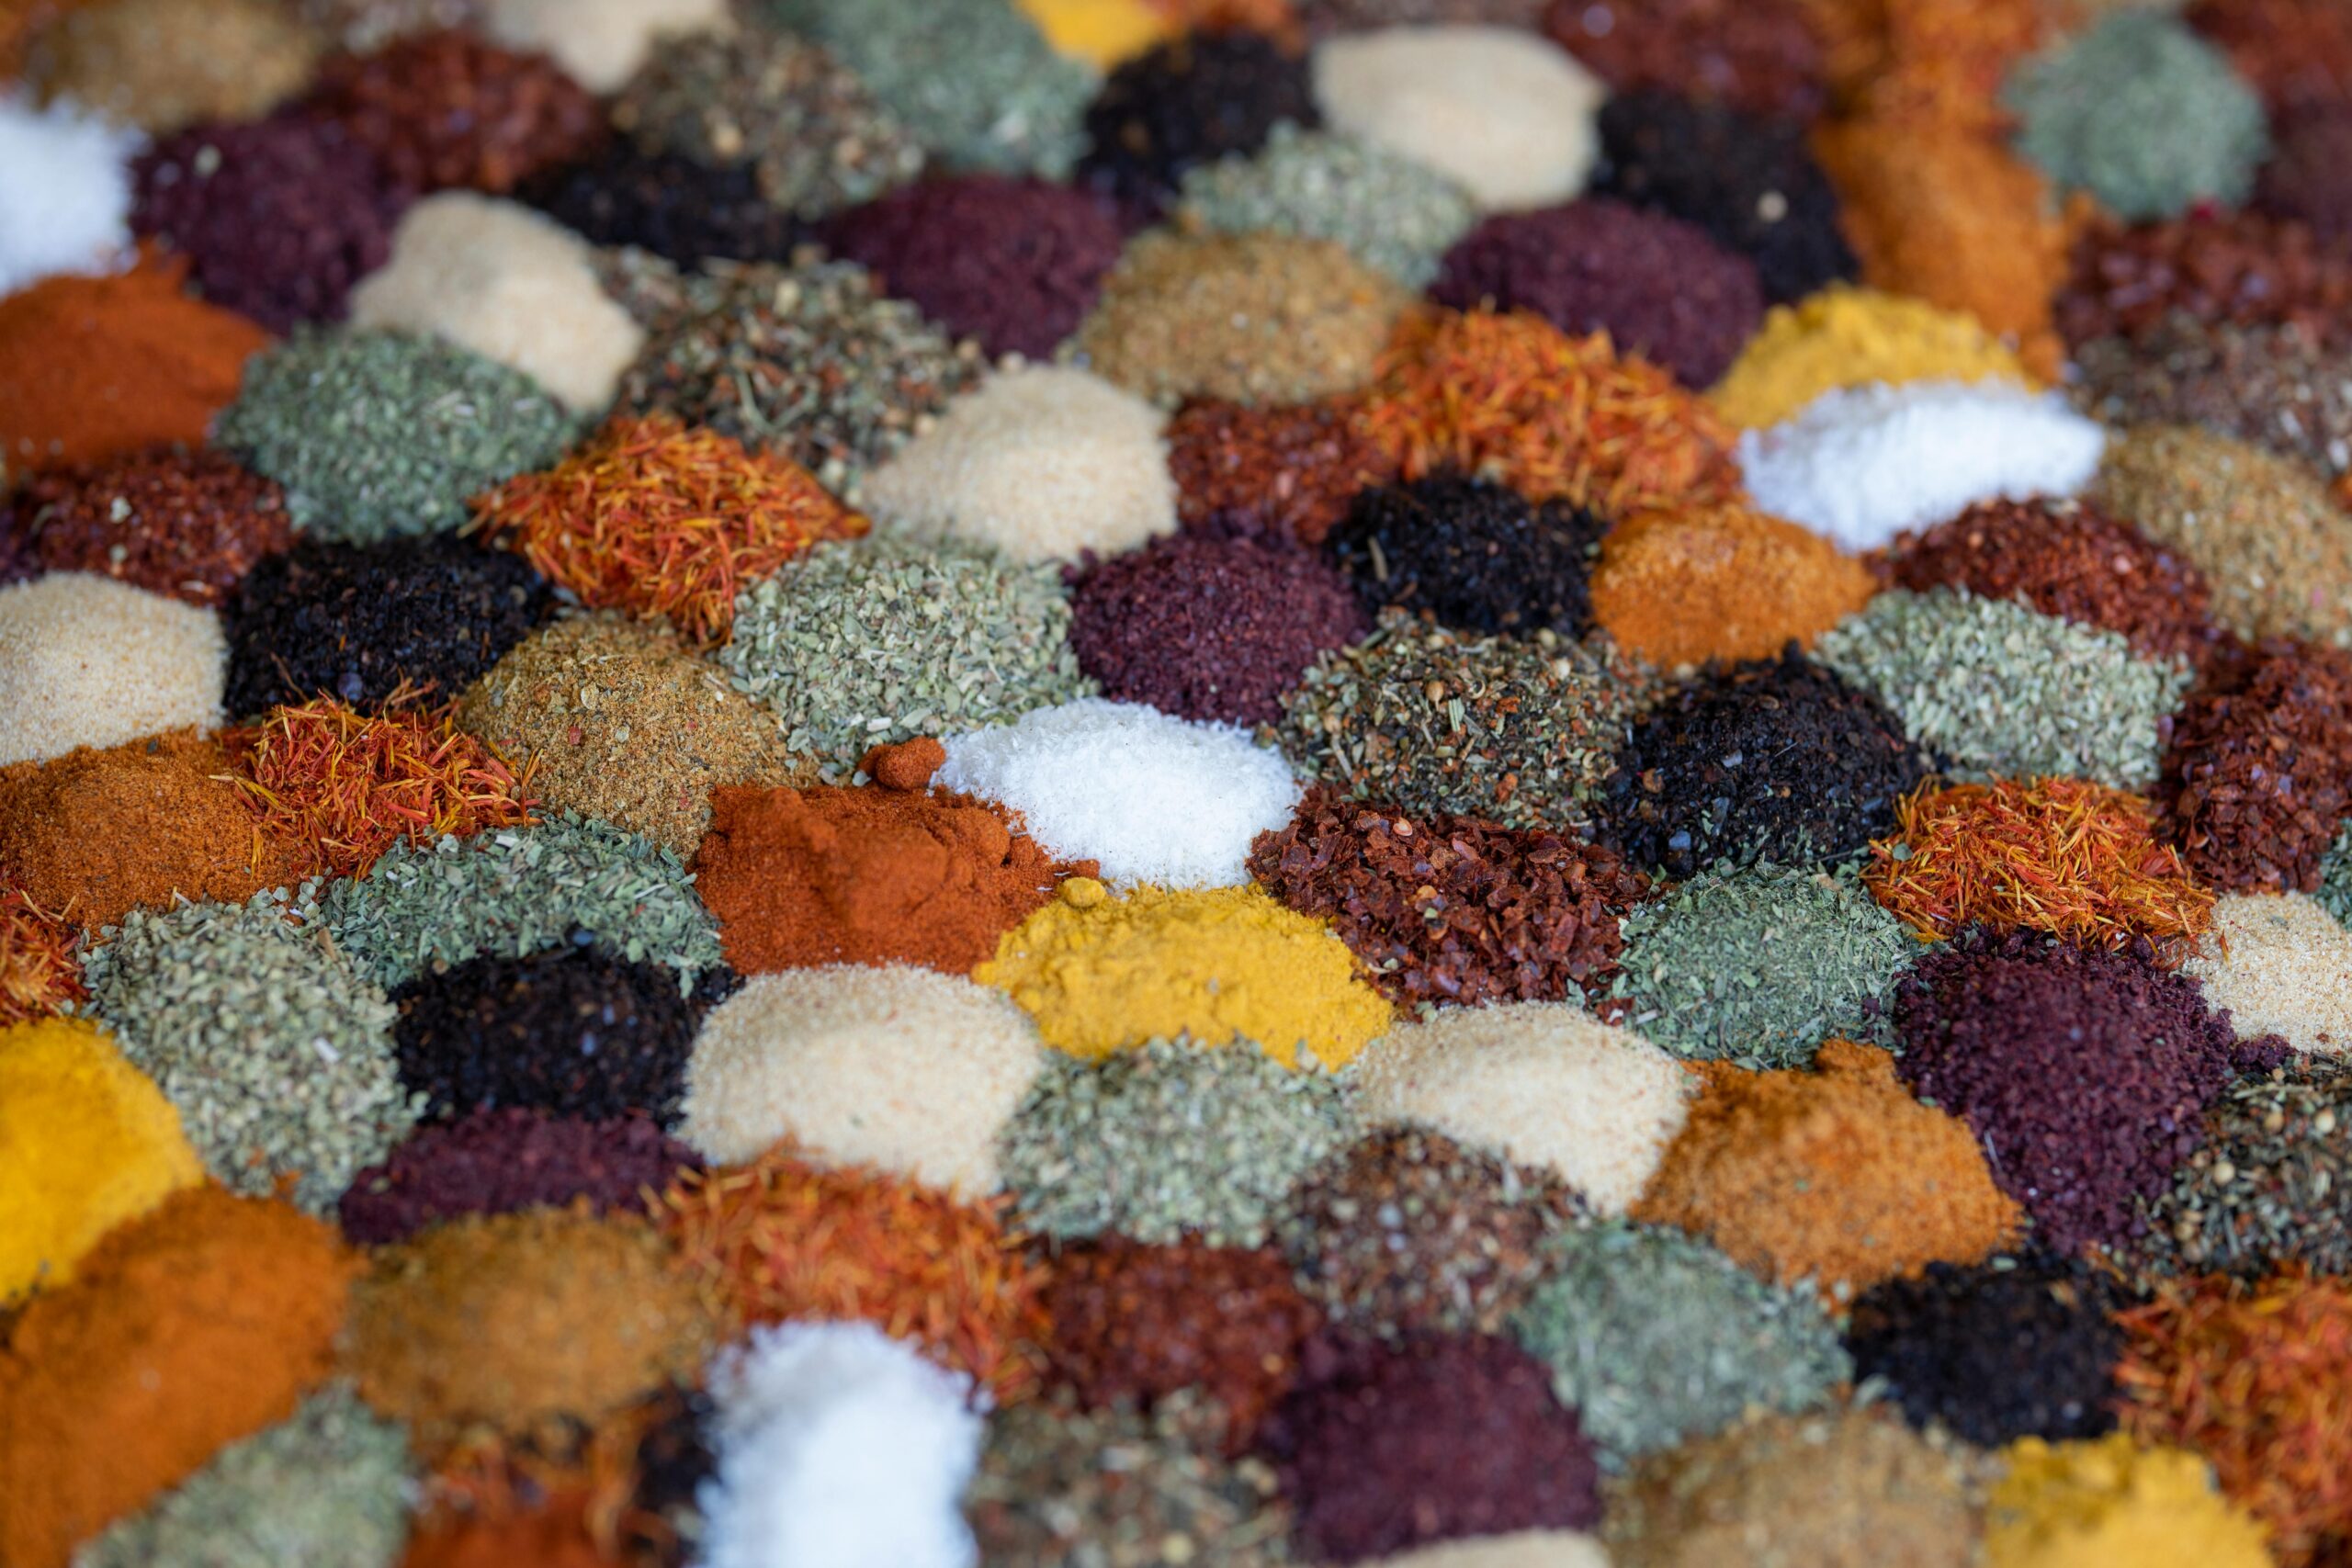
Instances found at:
x=1101 y=975
x=87 y=1142
x=1103 y=33
x=1846 y=336
x=2089 y=1505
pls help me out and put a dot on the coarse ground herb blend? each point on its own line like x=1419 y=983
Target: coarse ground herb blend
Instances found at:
x=2271 y=1182
x=1520 y=731
x=2274 y=386
x=858 y=645
x=278 y=1054
x=1389 y=212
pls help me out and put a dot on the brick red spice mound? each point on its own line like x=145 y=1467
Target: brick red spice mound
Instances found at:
x=1287 y=473
x=494 y=1162
x=2260 y=771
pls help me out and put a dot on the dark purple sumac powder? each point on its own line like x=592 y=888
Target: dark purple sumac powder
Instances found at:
x=1209 y=629
x=495 y=1162
x=1015 y=263
x=2086 y=1075
x=1383 y=1448
x=278 y=218
x=1659 y=287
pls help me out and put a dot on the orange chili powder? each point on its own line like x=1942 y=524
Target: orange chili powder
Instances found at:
x=1721 y=582
x=1837 y=1175
x=92 y=368
x=197 y=1325
x=40 y=974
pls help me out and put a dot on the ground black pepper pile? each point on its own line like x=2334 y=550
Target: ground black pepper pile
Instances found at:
x=2258 y=774
x=1287 y=472
x=355 y=622
x=1014 y=262
x=1134 y=1324
x=494 y=1162
x=277 y=218
x=1189 y=102
x=1659 y=287
x=1478 y=556
x=678 y=207
x=2083 y=1073
x=576 y=1032
x=1407 y=1232
x=1774 y=759
x=1452 y=908
x=1750 y=183
x=1386 y=1446
x=1996 y=1351
x=1209 y=629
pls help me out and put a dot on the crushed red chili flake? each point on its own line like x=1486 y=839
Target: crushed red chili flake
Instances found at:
x=448 y=108
x=2243 y=267
x=189 y=525
x=2258 y=774
x=1453 y=909
x=1134 y=1324
x=1287 y=472
x=2066 y=558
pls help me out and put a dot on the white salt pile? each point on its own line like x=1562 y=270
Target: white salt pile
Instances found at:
x=900 y=1068
x=1153 y=798
x=2286 y=970
x=837 y=1447
x=1041 y=463
x=1503 y=110
x=599 y=43
x=1544 y=1083
x=1861 y=464
x=500 y=279
x=64 y=193
x=86 y=660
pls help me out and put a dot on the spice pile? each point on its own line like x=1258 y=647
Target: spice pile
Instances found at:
x=1111 y=784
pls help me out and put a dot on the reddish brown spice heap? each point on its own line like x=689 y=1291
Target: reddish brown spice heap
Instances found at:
x=94 y=834
x=2260 y=771
x=881 y=874
x=346 y=785
x=2243 y=268
x=2065 y=856
x=659 y=519
x=1760 y=57
x=1925 y=60
x=2298 y=53
x=1512 y=399
x=779 y=1238
x=2252 y=1376
x=2309 y=176
x=442 y=110
x=187 y=524
x=2066 y=558
x=1453 y=909
x=496 y=1161
x=39 y=973
x=1135 y=1323
x=1287 y=472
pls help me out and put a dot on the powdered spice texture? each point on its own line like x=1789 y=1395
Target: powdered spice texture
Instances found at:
x=496 y=1161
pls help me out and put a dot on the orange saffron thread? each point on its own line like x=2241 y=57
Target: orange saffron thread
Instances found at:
x=40 y=974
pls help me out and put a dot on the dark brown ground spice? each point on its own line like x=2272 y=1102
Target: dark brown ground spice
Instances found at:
x=1760 y=57
x=1383 y=1448
x=94 y=834
x=2241 y=267
x=2298 y=53
x=189 y=525
x=2258 y=774
x=1406 y=1232
x=2309 y=175
x=1134 y=1324
x=2275 y=387
x=442 y=110
x=1453 y=909
x=496 y=1161
x=2066 y=558
x=1286 y=473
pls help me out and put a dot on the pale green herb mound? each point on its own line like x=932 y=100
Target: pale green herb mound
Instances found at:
x=2335 y=876
x=1169 y=1139
x=275 y=1052
x=1759 y=966
x=1388 y=211
x=1654 y=1338
x=329 y=1487
x=869 y=642
x=383 y=435
x=2142 y=113
x=508 y=893
x=2006 y=692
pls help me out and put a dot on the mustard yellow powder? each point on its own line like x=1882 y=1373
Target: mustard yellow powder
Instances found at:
x=1103 y=33
x=87 y=1142
x=1101 y=975
x=2097 y=1504
x=1846 y=336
